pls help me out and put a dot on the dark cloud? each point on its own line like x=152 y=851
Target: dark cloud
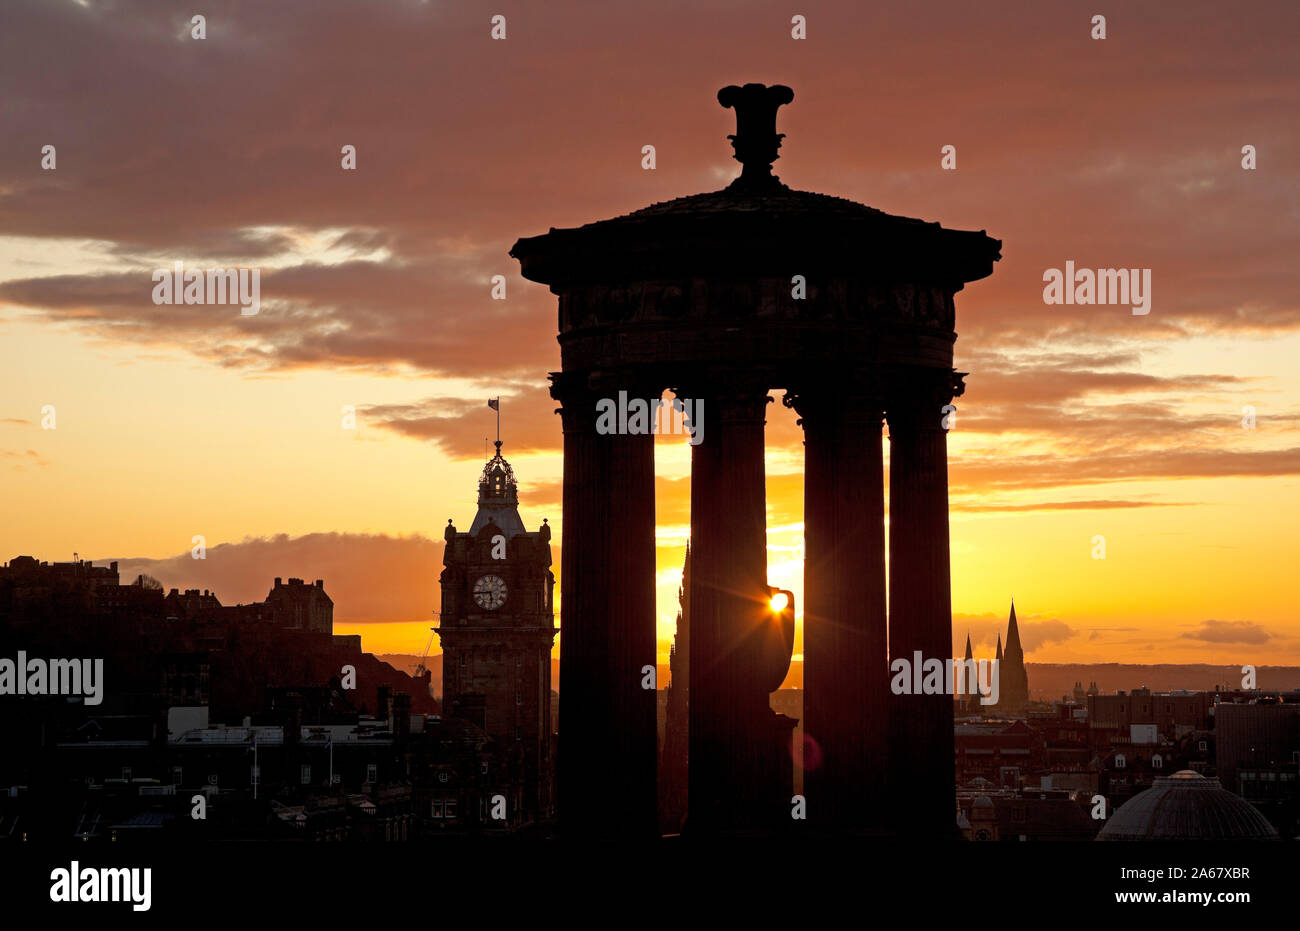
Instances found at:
x=19 y=460
x=1093 y=505
x=1035 y=634
x=528 y=421
x=356 y=314
x=984 y=630
x=969 y=476
x=1212 y=631
x=464 y=144
x=370 y=577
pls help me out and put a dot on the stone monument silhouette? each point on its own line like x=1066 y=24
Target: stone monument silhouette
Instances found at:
x=722 y=297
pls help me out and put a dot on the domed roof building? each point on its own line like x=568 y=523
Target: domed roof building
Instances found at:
x=1187 y=806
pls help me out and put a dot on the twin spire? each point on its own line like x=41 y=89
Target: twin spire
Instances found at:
x=1012 y=676
x=1014 y=650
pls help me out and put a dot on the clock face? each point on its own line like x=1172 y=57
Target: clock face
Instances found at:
x=490 y=592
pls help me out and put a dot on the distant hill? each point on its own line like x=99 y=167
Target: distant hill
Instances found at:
x=406 y=662
x=1047 y=681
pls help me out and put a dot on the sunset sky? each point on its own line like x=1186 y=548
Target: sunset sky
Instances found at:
x=175 y=421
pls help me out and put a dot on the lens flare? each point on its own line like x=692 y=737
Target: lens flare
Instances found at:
x=779 y=601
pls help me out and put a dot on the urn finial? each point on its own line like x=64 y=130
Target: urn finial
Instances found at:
x=756 y=140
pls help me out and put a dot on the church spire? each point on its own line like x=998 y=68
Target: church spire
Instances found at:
x=1013 y=633
x=999 y=653
x=1014 y=676
x=971 y=686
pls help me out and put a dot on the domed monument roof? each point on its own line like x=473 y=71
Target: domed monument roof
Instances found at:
x=1187 y=806
x=756 y=223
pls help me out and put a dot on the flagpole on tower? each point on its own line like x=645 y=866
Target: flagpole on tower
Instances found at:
x=495 y=404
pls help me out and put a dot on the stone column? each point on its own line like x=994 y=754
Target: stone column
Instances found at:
x=846 y=684
x=606 y=760
x=921 y=777
x=729 y=712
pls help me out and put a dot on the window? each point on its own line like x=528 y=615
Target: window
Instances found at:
x=518 y=732
x=176 y=775
x=462 y=658
x=435 y=808
x=372 y=772
x=126 y=773
x=305 y=774
x=1158 y=761
x=1120 y=761
x=1202 y=745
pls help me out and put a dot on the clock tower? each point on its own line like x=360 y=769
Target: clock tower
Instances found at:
x=497 y=628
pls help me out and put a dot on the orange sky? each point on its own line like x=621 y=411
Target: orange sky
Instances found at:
x=1078 y=421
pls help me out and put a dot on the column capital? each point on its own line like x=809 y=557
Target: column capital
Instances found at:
x=739 y=396
x=917 y=397
x=579 y=390
x=577 y=401
x=855 y=398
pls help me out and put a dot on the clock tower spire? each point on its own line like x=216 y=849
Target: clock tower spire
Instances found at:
x=497 y=628
x=498 y=497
